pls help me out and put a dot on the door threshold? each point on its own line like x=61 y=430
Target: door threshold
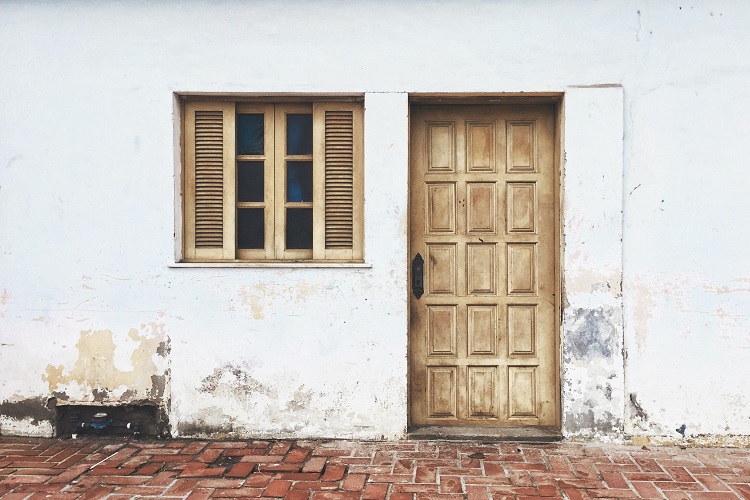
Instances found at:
x=480 y=433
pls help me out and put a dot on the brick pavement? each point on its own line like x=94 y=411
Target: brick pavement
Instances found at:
x=357 y=470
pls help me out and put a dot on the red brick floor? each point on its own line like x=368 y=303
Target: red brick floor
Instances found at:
x=357 y=470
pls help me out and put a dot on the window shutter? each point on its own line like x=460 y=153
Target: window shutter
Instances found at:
x=339 y=180
x=208 y=192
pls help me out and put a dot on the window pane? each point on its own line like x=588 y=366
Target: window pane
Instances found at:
x=299 y=135
x=249 y=228
x=299 y=181
x=250 y=181
x=250 y=134
x=299 y=228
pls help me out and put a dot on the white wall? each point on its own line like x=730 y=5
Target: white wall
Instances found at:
x=86 y=233
x=593 y=378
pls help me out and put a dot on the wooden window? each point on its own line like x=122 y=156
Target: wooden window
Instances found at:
x=272 y=181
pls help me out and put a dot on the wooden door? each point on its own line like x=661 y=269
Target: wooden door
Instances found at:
x=483 y=344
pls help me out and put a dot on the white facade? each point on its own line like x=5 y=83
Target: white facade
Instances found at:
x=656 y=305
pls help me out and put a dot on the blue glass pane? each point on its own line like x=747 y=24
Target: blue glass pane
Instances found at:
x=250 y=228
x=250 y=134
x=299 y=181
x=299 y=228
x=299 y=135
x=250 y=181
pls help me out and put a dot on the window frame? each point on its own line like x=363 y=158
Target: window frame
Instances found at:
x=281 y=157
x=274 y=158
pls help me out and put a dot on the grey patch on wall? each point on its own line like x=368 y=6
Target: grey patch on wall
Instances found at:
x=100 y=394
x=201 y=428
x=35 y=409
x=158 y=384
x=636 y=408
x=164 y=348
x=128 y=395
x=638 y=417
x=233 y=379
x=606 y=390
x=164 y=402
x=590 y=334
x=593 y=338
x=586 y=423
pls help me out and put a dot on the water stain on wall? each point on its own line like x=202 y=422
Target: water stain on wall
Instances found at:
x=211 y=422
x=301 y=399
x=201 y=428
x=231 y=379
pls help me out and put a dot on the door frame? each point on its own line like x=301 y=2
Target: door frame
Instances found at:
x=447 y=99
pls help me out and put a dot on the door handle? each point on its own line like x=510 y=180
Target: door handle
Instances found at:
x=417 y=276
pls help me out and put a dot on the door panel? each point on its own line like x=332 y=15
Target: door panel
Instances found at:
x=483 y=337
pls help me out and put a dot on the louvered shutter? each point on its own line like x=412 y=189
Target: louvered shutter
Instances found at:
x=208 y=193
x=338 y=206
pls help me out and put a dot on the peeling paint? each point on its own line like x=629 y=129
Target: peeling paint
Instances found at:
x=322 y=352
x=94 y=377
x=721 y=290
x=254 y=301
x=163 y=349
x=158 y=386
x=592 y=373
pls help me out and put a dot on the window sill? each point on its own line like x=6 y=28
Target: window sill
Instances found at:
x=309 y=265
